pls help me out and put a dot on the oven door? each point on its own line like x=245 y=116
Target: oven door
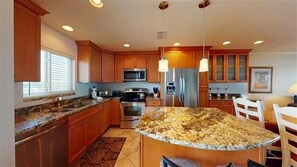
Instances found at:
x=132 y=110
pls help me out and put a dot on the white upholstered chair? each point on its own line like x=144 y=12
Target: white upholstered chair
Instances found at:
x=286 y=118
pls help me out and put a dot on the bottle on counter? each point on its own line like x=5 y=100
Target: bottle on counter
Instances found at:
x=94 y=92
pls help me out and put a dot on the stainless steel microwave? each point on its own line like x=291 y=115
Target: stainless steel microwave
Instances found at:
x=134 y=74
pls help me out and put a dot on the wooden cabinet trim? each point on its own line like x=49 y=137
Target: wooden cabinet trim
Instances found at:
x=33 y=6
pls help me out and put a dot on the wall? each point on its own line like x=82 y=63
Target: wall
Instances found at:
x=284 y=74
x=55 y=41
x=122 y=86
x=7 y=151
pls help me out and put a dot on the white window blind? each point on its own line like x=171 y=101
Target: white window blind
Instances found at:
x=56 y=76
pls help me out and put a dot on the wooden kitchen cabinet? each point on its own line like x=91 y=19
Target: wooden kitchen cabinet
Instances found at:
x=224 y=105
x=115 y=112
x=108 y=68
x=181 y=59
x=134 y=61
x=153 y=102
x=27 y=40
x=152 y=65
x=229 y=65
x=83 y=131
x=118 y=68
x=88 y=62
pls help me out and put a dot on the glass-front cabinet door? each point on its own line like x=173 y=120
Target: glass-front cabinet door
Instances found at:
x=231 y=69
x=242 y=67
x=219 y=69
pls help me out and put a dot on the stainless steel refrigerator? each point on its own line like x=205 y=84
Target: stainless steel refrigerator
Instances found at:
x=181 y=87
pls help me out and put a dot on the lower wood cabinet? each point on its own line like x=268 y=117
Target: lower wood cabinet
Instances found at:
x=85 y=127
x=153 y=102
x=115 y=112
x=225 y=105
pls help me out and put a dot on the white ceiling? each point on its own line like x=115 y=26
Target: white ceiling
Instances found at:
x=137 y=22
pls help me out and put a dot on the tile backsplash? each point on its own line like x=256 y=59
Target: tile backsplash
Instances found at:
x=230 y=88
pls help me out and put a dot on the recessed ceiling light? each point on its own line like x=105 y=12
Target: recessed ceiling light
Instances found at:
x=97 y=3
x=258 y=42
x=67 y=28
x=126 y=45
x=226 y=42
x=176 y=44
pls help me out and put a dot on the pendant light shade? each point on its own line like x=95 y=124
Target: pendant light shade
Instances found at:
x=203 y=65
x=163 y=63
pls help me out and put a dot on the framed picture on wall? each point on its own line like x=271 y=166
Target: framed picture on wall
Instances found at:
x=260 y=80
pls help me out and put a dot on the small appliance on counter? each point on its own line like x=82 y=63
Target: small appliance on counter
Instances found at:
x=156 y=91
x=105 y=93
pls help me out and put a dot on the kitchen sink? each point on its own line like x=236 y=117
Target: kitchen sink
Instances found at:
x=77 y=105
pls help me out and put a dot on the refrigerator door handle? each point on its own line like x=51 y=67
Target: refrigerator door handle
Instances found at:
x=183 y=96
x=180 y=88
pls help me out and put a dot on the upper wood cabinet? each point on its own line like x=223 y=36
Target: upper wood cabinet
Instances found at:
x=152 y=64
x=229 y=65
x=181 y=59
x=88 y=62
x=118 y=68
x=134 y=61
x=27 y=42
x=108 y=68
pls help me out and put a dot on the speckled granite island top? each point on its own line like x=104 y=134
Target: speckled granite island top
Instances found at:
x=203 y=128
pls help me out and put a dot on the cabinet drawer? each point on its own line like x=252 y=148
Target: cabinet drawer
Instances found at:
x=153 y=103
x=220 y=103
x=82 y=115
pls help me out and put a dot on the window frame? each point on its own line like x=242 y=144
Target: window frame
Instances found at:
x=45 y=95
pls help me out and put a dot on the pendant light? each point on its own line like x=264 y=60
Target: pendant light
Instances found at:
x=203 y=66
x=163 y=63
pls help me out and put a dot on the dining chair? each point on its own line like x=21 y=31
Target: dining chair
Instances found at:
x=246 y=109
x=286 y=118
x=177 y=162
x=253 y=110
x=251 y=163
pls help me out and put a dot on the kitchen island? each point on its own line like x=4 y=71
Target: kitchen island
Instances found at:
x=208 y=136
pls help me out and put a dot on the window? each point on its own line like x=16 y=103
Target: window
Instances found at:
x=56 y=76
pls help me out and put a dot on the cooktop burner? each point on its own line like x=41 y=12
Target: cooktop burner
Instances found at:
x=134 y=95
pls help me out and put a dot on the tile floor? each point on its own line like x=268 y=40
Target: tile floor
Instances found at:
x=129 y=156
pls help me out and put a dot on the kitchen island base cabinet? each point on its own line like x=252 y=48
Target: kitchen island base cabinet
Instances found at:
x=151 y=152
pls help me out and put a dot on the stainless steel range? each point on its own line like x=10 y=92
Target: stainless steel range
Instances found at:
x=132 y=106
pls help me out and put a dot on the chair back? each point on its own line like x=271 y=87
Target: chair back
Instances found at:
x=286 y=118
x=247 y=109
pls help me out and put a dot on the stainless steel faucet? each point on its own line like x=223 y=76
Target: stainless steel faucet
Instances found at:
x=59 y=99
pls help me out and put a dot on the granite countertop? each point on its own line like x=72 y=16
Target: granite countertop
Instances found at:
x=203 y=128
x=28 y=121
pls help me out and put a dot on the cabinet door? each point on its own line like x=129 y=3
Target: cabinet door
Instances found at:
x=187 y=59
x=77 y=140
x=219 y=68
x=139 y=61
x=107 y=67
x=243 y=67
x=224 y=105
x=115 y=112
x=118 y=68
x=210 y=68
x=95 y=65
x=152 y=68
x=128 y=61
x=173 y=58
x=231 y=68
x=92 y=124
x=27 y=45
